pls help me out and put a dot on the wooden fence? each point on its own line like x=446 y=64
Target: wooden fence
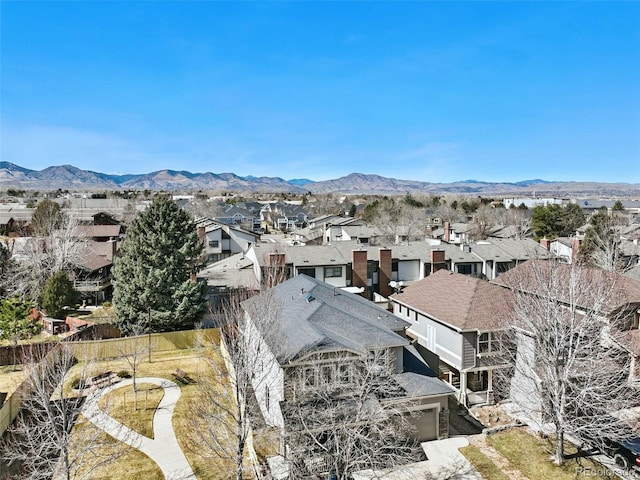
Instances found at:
x=11 y=407
x=160 y=342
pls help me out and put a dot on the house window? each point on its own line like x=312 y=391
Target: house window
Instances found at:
x=332 y=272
x=464 y=269
x=488 y=342
x=214 y=243
x=311 y=272
x=326 y=374
x=267 y=399
x=344 y=374
x=309 y=377
x=394 y=265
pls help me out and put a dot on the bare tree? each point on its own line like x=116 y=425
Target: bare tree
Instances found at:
x=133 y=351
x=521 y=220
x=222 y=413
x=567 y=349
x=397 y=220
x=61 y=250
x=357 y=421
x=49 y=439
x=602 y=246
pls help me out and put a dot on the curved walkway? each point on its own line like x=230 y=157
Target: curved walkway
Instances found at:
x=163 y=448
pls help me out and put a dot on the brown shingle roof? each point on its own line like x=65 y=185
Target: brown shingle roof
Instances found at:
x=459 y=300
x=530 y=275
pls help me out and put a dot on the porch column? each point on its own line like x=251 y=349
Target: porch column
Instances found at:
x=490 y=386
x=462 y=396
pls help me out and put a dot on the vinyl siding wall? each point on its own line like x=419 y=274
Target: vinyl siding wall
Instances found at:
x=469 y=342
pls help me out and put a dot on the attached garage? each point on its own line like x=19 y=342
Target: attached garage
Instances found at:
x=426 y=423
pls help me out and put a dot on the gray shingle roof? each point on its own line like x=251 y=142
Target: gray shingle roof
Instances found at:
x=314 y=316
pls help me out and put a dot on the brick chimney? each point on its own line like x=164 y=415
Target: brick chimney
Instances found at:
x=276 y=259
x=359 y=268
x=447 y=233
x=437 y=260
x=546 y=243
x=575 y=246
x=384 y=272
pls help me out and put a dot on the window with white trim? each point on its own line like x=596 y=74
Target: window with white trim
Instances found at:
x=488 y=342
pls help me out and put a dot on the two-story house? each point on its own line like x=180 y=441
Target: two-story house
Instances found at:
x=456 y=320
x=584 y=311
x=222 y=240
x=321 y=335
x=499 y=255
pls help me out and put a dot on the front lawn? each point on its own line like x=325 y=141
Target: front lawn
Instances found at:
x=482 y=463
x=533 y=457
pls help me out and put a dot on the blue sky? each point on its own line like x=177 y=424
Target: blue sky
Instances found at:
x=432 y=91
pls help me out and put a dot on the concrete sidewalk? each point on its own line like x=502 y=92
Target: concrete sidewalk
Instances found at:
x=163 y=448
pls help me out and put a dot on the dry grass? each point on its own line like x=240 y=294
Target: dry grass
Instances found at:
x=135 y=465
x=206 y=464
x=120 y=405
x=532 y=456
x=130 y=463
x=482 y=463
x=10 y=379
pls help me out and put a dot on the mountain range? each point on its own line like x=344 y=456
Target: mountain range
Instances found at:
x=68 y=177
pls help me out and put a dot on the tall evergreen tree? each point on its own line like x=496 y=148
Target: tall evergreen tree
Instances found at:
x=58 y=293
x=152 y=275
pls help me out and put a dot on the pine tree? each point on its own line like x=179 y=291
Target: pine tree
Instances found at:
x=58 y=293
x=152 y=275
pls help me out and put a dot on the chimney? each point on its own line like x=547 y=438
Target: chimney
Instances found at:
x=575 y=246
x=545 y=243
x=437 y=260
x=111 y=254
x=202 y=234
x=447 y=234
x=384 y=271
x=276 y=259
x=359 y=268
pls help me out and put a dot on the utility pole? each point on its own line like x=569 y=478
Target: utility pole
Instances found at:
x=149 y=328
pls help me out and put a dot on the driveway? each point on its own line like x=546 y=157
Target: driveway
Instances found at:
x=444 y=462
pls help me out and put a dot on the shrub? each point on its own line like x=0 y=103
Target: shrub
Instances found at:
x=106 y=304
x=123 y=374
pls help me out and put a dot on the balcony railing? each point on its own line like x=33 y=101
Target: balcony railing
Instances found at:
x=91 y=285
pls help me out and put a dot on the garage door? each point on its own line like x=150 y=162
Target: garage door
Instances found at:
x=426 y=423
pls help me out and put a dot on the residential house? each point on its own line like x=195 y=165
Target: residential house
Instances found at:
x=321 y=334
x=500 y=255
x=619 y=310
x=222 y=240
x=456 y=320
x=455 y=233
x=367 y=267
x=287 y=217
x=247 y=218
x=92 y=277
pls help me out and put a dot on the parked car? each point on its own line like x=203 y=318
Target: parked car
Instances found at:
x=625 y=454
